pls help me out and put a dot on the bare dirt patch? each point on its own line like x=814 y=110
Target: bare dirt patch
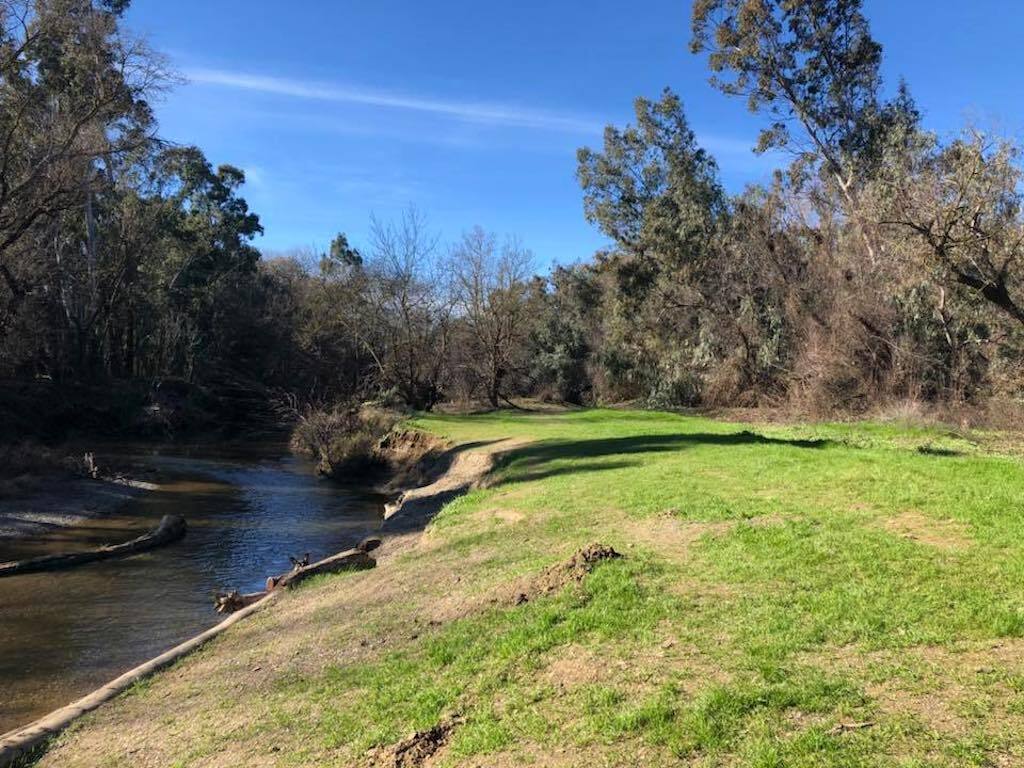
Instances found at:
x=669 y=535
x=417 y=749
x=572 y=571
x=942 y=534
x=509 y=516
x=948 y=690
x=575 y=666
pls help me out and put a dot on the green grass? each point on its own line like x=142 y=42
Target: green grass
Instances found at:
x=777 y=582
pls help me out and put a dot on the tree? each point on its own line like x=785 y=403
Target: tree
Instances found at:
x=964 y=203
x=404 y=310
x=656 y=193
x=565 y=334
x=812 y=63
x=653 y=190
x=340 y=256
x=73 y=100
x=491 y=286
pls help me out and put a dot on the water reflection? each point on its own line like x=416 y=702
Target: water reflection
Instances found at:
x=64 y=633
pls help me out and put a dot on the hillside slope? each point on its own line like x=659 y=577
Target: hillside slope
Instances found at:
x=846 y=595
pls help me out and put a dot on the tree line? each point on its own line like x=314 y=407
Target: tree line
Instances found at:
x=881 y=264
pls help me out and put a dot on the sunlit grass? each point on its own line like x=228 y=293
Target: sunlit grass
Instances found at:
x=779 y=583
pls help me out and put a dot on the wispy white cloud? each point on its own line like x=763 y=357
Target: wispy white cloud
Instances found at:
x=507 y=115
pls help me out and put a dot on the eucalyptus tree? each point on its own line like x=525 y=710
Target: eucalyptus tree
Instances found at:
x=811 y=65
x=655 y=192
x=74 y=93
x=962 y=202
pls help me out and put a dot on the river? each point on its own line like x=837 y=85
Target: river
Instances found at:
x=66 y=632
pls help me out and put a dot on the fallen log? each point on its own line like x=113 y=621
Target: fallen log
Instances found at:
x=19 y=743
x=229 y=602
x=370 y=543
x=351 y=559
x=171 y=528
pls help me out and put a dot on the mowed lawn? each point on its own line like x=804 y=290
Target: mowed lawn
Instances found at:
x=820 y=595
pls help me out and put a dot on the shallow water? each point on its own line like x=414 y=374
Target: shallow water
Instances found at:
x=66 y=632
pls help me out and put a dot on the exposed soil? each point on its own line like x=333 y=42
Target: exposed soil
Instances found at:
x=942 y=534
x=444 y=474
x=413 y=458
x=417 y=749
x=575 y=666
x=572 y=571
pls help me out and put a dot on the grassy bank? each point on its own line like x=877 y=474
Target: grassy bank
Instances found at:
x=847 y=595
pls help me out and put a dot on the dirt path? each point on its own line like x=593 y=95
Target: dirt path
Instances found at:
x=405 y=518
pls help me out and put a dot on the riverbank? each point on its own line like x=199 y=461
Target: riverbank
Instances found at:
x=801 y=594
x=249 y=509
x=43 y=489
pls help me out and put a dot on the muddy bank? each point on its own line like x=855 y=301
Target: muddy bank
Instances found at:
x=61 y=501
x=424 y=474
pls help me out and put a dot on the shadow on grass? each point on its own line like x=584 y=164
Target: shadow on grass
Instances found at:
x=534 y=461
x=539 y=461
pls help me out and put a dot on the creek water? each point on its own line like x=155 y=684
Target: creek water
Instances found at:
x=64 y=633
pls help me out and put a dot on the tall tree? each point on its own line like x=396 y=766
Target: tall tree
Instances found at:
x=491 y=292
x=404 y=312
x=73 y=99
x=656 y=193
x=811 y=64
x=652 y=189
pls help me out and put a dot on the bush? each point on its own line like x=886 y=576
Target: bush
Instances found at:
x=343 y=440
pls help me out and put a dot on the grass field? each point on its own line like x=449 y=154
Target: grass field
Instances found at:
x=821 y=595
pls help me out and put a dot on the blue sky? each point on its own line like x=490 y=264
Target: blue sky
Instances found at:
x=472 y=111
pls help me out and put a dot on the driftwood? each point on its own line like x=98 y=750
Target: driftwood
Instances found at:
x=350 y=559
x=369 y=544
x=20 y=742
x=171 y=528
x=229 y=602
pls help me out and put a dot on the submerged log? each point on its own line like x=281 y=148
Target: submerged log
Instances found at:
x=171 y=528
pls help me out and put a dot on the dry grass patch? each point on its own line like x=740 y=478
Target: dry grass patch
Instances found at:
x=972 y=688
x=941 y=534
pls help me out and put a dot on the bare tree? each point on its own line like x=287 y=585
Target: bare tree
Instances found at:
x=404 y=309
x=491 y=291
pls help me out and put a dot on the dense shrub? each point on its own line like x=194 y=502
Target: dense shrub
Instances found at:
x=343 y=440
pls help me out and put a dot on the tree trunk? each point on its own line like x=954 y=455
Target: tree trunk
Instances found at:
x=171 y=528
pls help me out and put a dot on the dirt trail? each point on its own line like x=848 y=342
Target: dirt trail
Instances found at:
x=450 y=474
